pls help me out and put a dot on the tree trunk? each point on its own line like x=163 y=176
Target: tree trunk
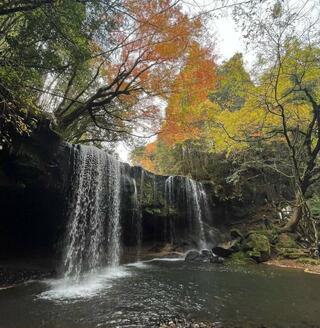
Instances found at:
x=66 y=120
x=293 y=222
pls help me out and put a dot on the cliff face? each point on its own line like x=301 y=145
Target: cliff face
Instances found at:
x=33 y=186
x=169 y=209
x=35 y=183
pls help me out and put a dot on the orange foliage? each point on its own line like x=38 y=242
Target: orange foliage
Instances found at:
x=158 y=33
x=184 y=115
x=151 y=47
x=145 y=158
x=148 y=164
x=150 y=148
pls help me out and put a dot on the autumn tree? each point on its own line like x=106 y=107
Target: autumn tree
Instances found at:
x=95 y=66
x=233 y=85
x=285 y=107
x=50 y=40
x=185 y=116
x=185 y=119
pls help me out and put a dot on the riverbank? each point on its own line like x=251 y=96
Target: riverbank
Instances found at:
x=306 y=264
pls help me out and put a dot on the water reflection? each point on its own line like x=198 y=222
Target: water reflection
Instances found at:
x=144 y=293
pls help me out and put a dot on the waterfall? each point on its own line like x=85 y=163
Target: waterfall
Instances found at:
x=114 y=211
x=94 y=200
x=169 y=197
x=169 y=191
x=155 y=194
x=197 y=203
x=137 y=214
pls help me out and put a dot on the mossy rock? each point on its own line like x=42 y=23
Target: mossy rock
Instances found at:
x=286 y=240
x=256 y=255
x=257 y=247
x=154 y=211
x=240 y=258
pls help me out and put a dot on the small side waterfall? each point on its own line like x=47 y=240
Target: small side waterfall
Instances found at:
x=169 y=197
x=139 y=217
x=169 y=191
x=195 y=201
x=137 y=214
x=113 y=211
x=94 y=207
x=197 y=204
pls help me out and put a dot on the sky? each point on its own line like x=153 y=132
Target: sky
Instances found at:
x=227 y=40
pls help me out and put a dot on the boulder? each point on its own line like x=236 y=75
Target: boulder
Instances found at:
x=257 y=247
x=192 y=256
x=227 y=248
x=236 y=234
x=204 y=256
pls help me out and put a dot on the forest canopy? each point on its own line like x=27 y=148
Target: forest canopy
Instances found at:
x=104 y=71
x=93 y=67
x=257 y=123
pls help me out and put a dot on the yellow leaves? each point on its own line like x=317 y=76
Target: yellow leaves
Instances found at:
x=233 y=131
x=240 y=113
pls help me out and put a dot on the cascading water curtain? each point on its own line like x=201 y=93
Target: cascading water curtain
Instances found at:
x=95 y=198
x=169 y=197
x=196 y=205
x=114 y=228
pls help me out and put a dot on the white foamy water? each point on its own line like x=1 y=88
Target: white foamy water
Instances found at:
x=89 y=286
x=167 y=259
x=138 y=264
x=94 y=205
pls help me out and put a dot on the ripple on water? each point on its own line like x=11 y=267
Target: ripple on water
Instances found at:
x=139 y=265
x=66 y=290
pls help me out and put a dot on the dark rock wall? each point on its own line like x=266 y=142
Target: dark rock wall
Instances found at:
x=34 y=187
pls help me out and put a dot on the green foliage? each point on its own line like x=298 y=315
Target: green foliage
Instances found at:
x=52 y=42
x=233 y=84
x=16 y=120
x=314 y=205
x=307 y=260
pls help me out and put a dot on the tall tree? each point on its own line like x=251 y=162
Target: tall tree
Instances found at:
x=286 y=103
x=185 y=115
x=96 y=66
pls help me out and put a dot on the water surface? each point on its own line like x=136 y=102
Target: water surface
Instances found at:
x=139 y=295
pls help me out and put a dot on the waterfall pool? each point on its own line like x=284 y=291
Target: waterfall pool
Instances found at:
x=140 y=294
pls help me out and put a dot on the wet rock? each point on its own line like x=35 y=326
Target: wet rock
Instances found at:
x=236 y=234
x=204 y=256
x=206 y=253
x=13 y=276
x=227 y=248
x=192 y=256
